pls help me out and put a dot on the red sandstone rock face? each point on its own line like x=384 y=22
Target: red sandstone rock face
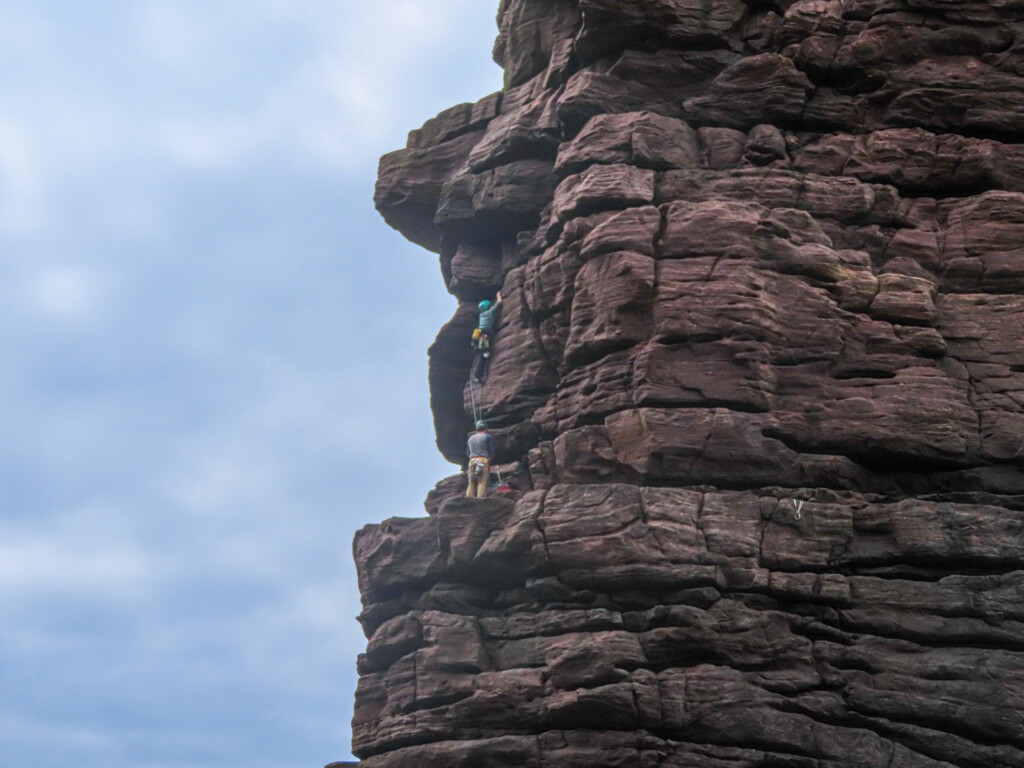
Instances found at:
x=760 y=376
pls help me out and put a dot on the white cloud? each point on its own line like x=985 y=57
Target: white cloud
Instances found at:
x=337 y=101
x=172 y=36
x=20 y=179
x=210 y=144
x=68 y=293
x=14 y=728
x=133 y=215
x=382 y=64
x=236 y=418
x=81 y=553
x=23 y=29
x=221 y=476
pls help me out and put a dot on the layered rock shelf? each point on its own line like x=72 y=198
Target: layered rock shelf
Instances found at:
x=758 y=388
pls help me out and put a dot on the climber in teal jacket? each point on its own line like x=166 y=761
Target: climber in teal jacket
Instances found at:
x=486 y=326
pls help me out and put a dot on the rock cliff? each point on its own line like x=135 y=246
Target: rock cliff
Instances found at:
x=758 y=383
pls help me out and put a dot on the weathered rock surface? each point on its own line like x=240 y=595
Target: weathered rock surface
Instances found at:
x=759 y=380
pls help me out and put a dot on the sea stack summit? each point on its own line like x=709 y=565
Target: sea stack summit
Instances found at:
x=756 y=393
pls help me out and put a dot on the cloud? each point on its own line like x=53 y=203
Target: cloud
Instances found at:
x=15 y=729
x=69 y=293
x=218 y=481
x=21 y=184
x=339 y=102
x=215 y=366
x=210 y=144
x=80 y=552
x=175 y=35
x=23 y=29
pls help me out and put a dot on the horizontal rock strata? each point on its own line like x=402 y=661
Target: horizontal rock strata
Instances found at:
x=758 y=385
x=610 y=625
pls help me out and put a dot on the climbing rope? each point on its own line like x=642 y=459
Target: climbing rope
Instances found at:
x=797 y=506
x=472 y=397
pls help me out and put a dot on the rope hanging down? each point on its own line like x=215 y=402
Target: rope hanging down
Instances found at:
x=472 y=397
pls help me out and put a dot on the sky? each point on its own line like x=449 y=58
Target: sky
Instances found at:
x=213 y=364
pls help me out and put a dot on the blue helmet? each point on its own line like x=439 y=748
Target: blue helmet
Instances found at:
x=481 y=424
x=484 y=305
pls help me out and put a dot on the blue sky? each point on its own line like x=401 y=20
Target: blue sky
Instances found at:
x=214 y=363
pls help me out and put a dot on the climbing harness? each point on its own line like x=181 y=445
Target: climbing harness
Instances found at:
x=481 y=342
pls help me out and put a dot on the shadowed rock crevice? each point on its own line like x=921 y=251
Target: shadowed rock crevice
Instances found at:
x=757 y=388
